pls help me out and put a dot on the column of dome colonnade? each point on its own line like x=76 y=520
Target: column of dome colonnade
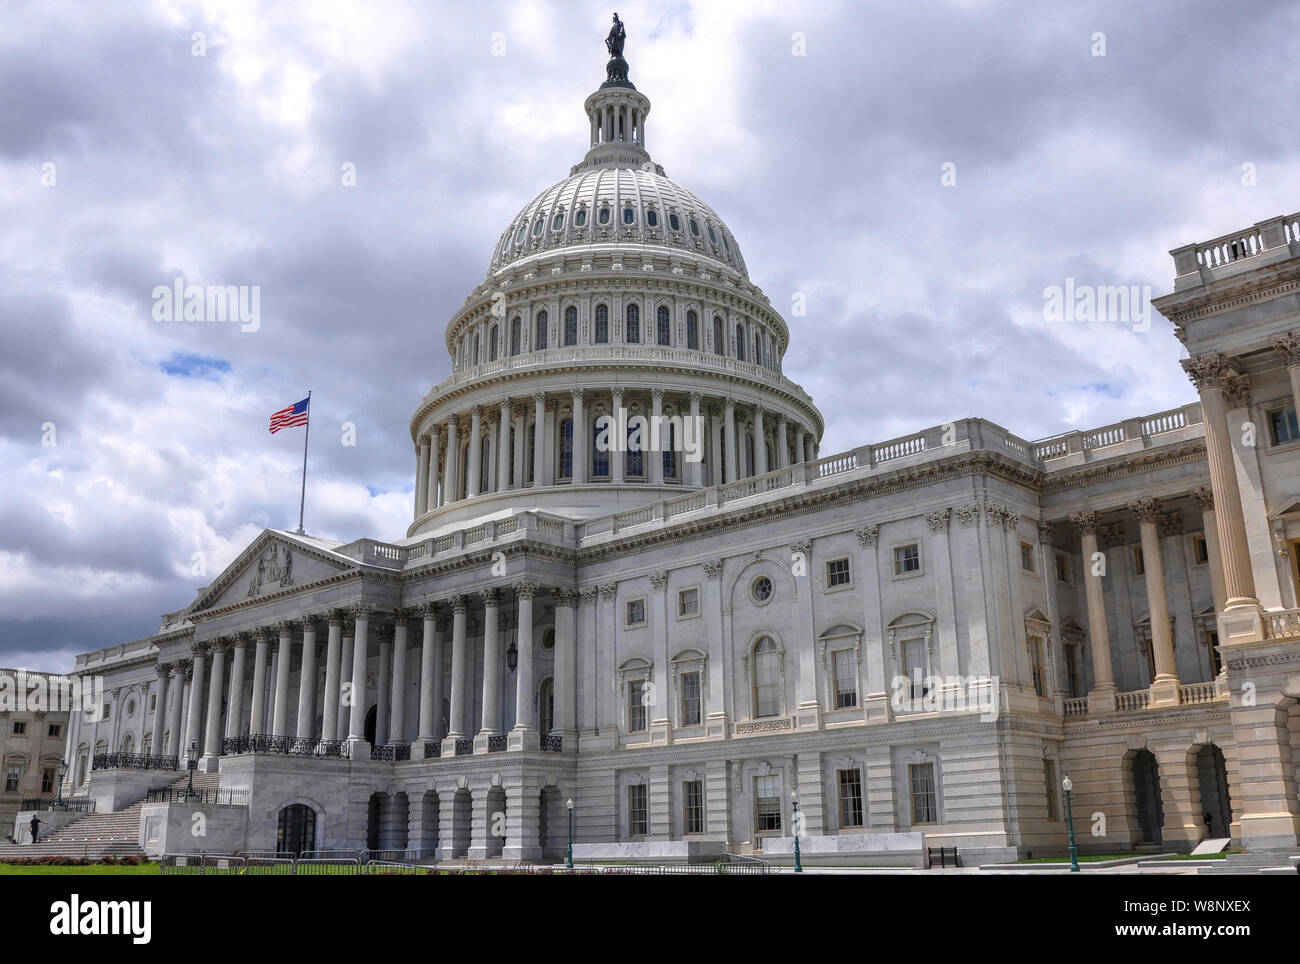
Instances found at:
x=1101 y=698
x=579 y=442
x=1241 y=618
x=212 y=689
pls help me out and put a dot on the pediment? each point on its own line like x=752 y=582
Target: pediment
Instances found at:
x=274 y=561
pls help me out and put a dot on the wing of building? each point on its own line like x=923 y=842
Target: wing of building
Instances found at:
x=909 y=644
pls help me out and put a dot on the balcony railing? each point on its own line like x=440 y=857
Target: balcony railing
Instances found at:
x=394 y=752
x=1077 y=706
x=432 y=750
x=497 y=744
x=1135 y=700
x=1193 y=693
x=285 y=746
x=552 y=743
x=1284 y=624
x=132 y=761
x=201 y=795
x=464 y=747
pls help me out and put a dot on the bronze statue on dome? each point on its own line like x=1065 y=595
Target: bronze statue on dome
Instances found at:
x=617 y=35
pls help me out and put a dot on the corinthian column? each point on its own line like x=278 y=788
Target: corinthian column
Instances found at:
x=760 y=443
x=490 y=724
x=455 y=726
x=523 y=735
x=656 y=444
x=164 y=672
x=579 y=439
x=475 y=466
x=539 y=448
x=503 y=448
x=1241 y=619
x=280 y=715
x=693 y=467
x=730 y=448
x=431 y=489
x=200 y=651
x=430 y=671
x=451 y=477
x=357 y=717
x=307 y=681
x=422 y=479
x=333 y=645
x=212 y=740
x=1288 y=346
x=174 y=717
x=1102 y=697
x=397 y=702
x=1164 y=688
x=256 y=724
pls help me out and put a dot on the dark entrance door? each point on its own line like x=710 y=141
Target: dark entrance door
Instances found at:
x=297 y=830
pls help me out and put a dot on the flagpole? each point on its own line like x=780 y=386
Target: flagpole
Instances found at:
x=302 y=503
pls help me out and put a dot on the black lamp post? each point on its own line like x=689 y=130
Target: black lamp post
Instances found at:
x=1067 y=785
x=191 y=764
x=58 y=797
x=512 y=656
x=798 y=863
x=569 y=805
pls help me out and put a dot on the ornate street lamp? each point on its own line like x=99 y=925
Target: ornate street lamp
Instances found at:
x=58 y=797
x=512 y=656
x=1067 y=785
x=192 y=764
x=798 y=864
x=569 y=804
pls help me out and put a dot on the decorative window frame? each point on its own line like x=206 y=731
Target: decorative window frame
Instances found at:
x=914 y=624
x=752 y=684
x=844 y=636
x=1037 y=625
x=753 y=586
x=634 y=669
x=894 y=574
x=699 y=602
x=826 y=572
x=690 y=661
x=627 y=613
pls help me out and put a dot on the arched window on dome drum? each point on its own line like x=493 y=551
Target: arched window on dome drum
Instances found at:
x=566 y=449
x=462 y=479
x=719 y=346
x=570 y=325
x=758 y=349
x=531 y=452
x=546 y=707
x=557 y=222
x=633 y=325
x=492 y=344
x=663 y=328
x=767 y=678
x=485 y=463
x=635 y=459
x=740 y=342
x=539 y=343
x=599 y=452
x=674 y=222
x=603 y=217
x=580 y=219
x=669 y=454
x=749 y=454
x=516 y=334
x=629 y=215
x=692 y=330
x=651 y=218
x=478 y=355
x=602 y=325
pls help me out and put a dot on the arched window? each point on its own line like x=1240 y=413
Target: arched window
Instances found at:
x=599 y=453
x=570 y=325
x=492 y=344
x=531 y=453
x=516 y=335
x=669 y=442
x=740 y=342
x=566 y=449
x=546 y=707
x=749 y=453
x=543 y=323
x=128 y=744
x=633 y=325
x=635 y=459
x=767 y=678
x=477 y=354
x=296 y=830
x=758 y=349
x=485 y=463
x=662 y=326
x=602 y=324
x=692 y=330
x=719 y=346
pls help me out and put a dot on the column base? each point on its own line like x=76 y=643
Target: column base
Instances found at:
x=358 y=749
x=209 y=764
x=481 y=739
x=523 y=739
x=661 y=732
x=418 y=745
x=1164 y=691
x=717 y=726
x=876 y=708
x=1241 y=622
x=449 y=744
x=1102 y=700
x=808 y=716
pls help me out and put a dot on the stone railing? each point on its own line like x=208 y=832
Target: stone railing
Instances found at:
x=1282 y=624
x=1192 y=693
x=1241 y=245
x=1076 y=707
x=1140 y=430
x=1133 y=700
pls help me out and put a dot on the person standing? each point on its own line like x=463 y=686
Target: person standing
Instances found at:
x=36 y=823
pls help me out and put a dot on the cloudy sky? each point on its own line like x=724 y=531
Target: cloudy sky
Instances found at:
x=145 y=141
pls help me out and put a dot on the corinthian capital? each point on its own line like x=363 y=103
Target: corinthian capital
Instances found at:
x=1288 y=346
x=526 y=589
x=1147 y=510
x=1085 y=521
x=1206 y=371
x=1204 y=497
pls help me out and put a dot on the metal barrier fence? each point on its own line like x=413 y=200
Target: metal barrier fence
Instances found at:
x=199 y=795
x=346 y=863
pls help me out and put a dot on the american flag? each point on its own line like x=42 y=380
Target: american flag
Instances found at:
x=294 y=415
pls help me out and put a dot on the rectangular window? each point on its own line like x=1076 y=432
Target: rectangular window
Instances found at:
x=539 y=341
x=566 y=449
x=850 y=798
x=1049 y=776
x=907 y=559
x=1200 y=550
x=1036 y=662
x=688 y=602
x=837 y=572
x=1282 y=426
x=1072 y=668
x=692 y=331
x=1138 y=567
x=55 y=729
x=916 y=666
x=767 y=803
x=636 y=709
x=12 y=776
x=693 y=806
x=636 y=612
x=47 y=781
x=638 y=811
x=1062 y=567
x=1212 y=641
x=692 y=710
x=1026 y=557
x=20 y=727
x=924 y=809
x=846 y=679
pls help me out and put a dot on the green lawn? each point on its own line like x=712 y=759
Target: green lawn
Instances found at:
x=96 y=870
x=1218 y=856
x=1090 y=859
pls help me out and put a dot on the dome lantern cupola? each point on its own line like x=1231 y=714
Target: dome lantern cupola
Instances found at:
x=617 y=113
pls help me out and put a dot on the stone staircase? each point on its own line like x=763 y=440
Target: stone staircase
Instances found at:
x=1272 y=862
x=99 y=834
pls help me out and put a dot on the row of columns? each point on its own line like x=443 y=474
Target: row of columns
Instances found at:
x=438 y=466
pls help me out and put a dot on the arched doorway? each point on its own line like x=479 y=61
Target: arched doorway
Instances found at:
x=296 y=830
x=370 y=724
x=462 y=813
x=496 y=814
x=374 y=815
x=429 y=824
x=1216 y=806
x=1146 y=790
x=552 y=829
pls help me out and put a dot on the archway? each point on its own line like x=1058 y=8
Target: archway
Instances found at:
x=396 y=822
x=374 y=814
x=1146 y=791
x=295 y=830
x=553 y=833
x=496 y=826
x=370 y=724
x=1216 y=805
x=462 y=814
x=429 y=816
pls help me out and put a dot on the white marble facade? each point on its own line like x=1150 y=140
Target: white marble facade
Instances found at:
x=678 y=646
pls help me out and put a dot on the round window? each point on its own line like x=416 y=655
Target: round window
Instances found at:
x=762 y=589
x=629 y=216
x=548 y=639
x=674 y=222
x=604 y=216
x=651 y=218
x=580 y=218
x=130 y=708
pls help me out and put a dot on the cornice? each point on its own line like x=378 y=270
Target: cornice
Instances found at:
x=1151 y=460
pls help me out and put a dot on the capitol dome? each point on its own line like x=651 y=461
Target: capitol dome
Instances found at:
x=615 y=300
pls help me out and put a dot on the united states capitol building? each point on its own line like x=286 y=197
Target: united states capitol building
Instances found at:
x=911 y=642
